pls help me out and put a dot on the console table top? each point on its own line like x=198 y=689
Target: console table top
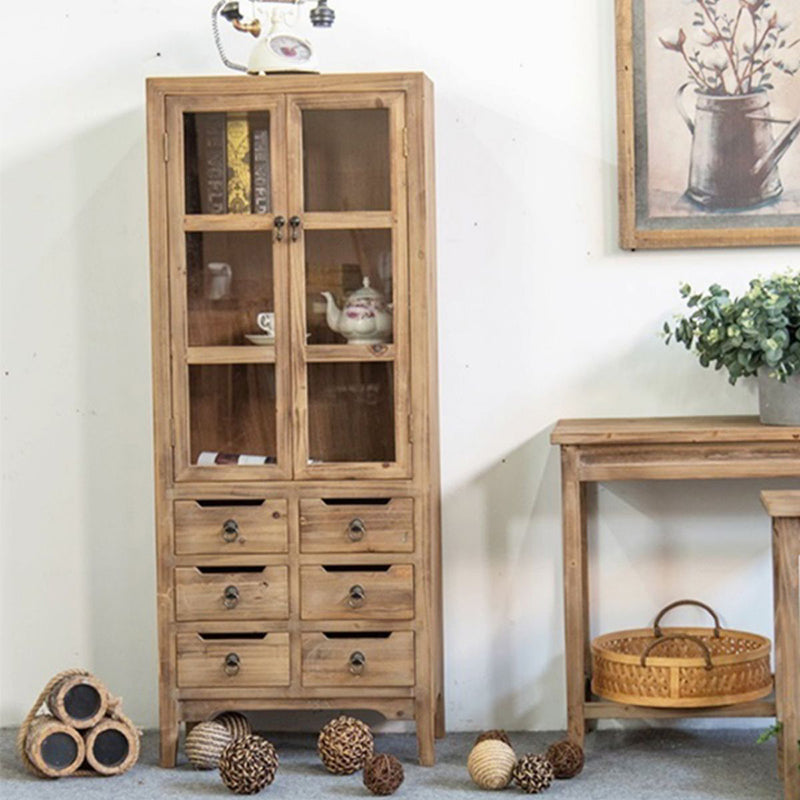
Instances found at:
x=665 y=430
x=782 y=504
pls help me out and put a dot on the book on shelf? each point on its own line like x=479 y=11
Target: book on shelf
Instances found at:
x=261 y=163
x=239 y=178
x=212 y=163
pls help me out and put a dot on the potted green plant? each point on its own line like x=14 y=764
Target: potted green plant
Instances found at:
x=755 y=334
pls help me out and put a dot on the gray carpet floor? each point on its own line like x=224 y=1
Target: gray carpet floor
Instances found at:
x=621 y=765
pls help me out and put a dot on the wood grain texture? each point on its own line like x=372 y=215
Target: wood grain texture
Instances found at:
x=162 y=416
x=626 y=153
x=255 y=529
x=782 y=504
x=576 y=593
x=602 y=709
x=387 y=662
x=388 y=595
x=264 y=354
x=786 y=567
x=390 y=707
x=594 y=450
x=357 y=528
x=250 y=595
x=189 y=535
x=261 y=663
x=669 y=430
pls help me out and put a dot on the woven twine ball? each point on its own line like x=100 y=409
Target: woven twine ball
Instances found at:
x=566 y=758
x=237 y=724
x=383 y=774
x=533 y=774
x=493 y=734
x=248 y=764
x=344 y=744
x=491 y=763
x=205 y=743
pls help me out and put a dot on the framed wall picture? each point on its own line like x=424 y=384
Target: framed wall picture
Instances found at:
x=708 y=95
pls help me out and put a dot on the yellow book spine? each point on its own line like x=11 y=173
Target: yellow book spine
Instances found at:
x=239 y=179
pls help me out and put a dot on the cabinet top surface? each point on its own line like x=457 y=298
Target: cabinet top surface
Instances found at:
x=665 y=430
x=287 y=82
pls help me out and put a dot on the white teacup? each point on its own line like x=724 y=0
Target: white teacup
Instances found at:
x=266 y=321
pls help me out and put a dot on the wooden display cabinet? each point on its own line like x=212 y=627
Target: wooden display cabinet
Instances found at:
x=297 y=478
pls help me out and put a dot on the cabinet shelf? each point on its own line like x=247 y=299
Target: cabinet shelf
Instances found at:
x=227 y=222
x=346 y=220
x=607 y=709
x=249 y=354
x=319 y=353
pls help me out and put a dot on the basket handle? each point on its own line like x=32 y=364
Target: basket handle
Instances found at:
x=657 y=627
x=699 y=642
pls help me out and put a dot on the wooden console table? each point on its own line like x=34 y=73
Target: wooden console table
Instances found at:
x=784 y=508
x=682 y=448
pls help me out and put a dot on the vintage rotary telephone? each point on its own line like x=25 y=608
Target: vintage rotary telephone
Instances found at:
x=278 y=49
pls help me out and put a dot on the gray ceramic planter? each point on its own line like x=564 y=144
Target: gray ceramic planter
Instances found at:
x=778 y=403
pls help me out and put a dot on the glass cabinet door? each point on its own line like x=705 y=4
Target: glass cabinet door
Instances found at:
x=230 y=294
x=349 y=273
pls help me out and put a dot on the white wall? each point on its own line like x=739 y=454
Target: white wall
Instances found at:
x=541 y=317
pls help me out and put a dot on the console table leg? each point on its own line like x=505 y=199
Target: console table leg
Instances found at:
x=576 y=596
x=786 y=552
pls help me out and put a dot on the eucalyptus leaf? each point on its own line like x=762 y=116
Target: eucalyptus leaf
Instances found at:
x=742 y=334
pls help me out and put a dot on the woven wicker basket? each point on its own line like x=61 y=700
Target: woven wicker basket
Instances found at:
x=681 y=667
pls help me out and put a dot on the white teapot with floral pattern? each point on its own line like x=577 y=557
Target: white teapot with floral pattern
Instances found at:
x=365 y=319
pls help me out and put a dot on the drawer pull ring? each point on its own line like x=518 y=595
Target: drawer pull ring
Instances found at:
x=357 y=662
x=232 y=663
x=230 y=530
x=356 y=530
x=230 y=597
x=357 y=596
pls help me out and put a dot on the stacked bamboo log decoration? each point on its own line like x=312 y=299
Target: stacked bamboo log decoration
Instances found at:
x=76 y=727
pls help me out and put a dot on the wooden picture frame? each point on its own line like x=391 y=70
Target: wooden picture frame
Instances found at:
x=698 y=187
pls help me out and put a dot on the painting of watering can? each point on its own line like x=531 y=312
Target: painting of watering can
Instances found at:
x=709 y=117
x=734 y=162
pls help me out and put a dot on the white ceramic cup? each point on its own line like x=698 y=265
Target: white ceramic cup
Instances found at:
x=266 y=321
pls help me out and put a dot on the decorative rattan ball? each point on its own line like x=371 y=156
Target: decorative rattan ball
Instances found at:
x=248 y=764
x=491 y=763
x=237 y=724
x=493 y=734
x=533 y=774
x=383 y=774
x=205 y=743
x=566 y=758
x=344 y=744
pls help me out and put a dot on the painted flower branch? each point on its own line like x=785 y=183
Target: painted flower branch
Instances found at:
x=739 y=50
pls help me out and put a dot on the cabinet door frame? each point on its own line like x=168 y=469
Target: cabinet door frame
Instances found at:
x=396 y=221
x=180 y=223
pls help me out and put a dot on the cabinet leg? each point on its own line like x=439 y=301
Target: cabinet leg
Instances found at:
x=439 y=721
x=169 y=731
x=169 y=745
x=426 y=743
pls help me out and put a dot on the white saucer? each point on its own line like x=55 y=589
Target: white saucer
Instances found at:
x=259 y=338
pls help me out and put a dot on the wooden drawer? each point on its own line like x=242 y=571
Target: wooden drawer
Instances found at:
x=358 y=660
x=360 y=593
x=205 y=529
x=369 y=527
x=245 y=660
x=209 y=593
